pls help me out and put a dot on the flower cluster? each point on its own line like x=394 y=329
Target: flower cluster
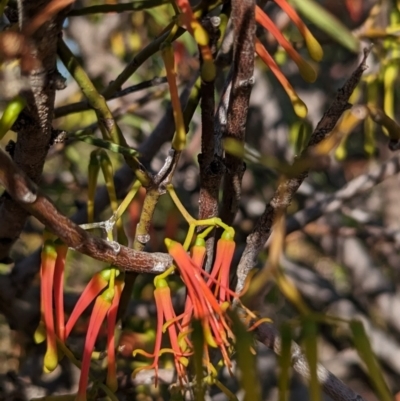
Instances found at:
x=208 y=297
x=305 y=69
x=104 y=288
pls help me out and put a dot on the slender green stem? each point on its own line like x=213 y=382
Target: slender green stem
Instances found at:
x=83 y=105
x=96 y=101
x=101 y=143
x=204 y=233
x=138 y=60
x=189 y=237
x=127 y=201
x=186 y=215
x=106 y=120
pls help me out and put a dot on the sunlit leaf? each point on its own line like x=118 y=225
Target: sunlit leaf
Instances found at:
x=327 y=23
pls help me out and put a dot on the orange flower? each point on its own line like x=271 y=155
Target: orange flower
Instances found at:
x=306 y=71
x=100 y=309
x=200 y=35
x=298 y=105
x=198 y=252
x=314 y=48
x=166 y=319
x=98 y=282
x=62 y=250
x=222 y=265
x=205 y=306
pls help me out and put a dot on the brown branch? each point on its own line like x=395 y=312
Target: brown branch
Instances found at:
x=26 y=193
x=166 y=127
x=211 y=166
x=287 y=189
x=34 y=127
x=244 y=26
x=84 y=105
x=24 y=271
x=268 y=335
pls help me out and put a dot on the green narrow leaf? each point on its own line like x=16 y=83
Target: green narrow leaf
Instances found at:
x=327 y=23
x=246 y=360
x=364 y=349
x=101 y=143
x=310 y=346
x=285 y=362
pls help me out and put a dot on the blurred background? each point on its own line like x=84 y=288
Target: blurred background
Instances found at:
x=345 y=263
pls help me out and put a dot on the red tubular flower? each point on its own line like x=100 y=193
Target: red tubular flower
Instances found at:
x=299 y=106
x=306 y=71
x=111 y=322
x=198 y=252
x=100 y=309
x=49 y=256
x=205 y=306
x=166 y=320
x=62 y=250
x=222 y=265
x=314 y=48
x=200 y=34
x=98 y=282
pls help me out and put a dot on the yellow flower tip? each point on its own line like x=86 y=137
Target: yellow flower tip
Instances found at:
x=40 y=333
x=160 y=282
x=208 y=71
x=228 y=234
x=108 y=295
x=50 y=360
x=200 y=241
x=49 y=249
x=209 y=338
x=299 y=107
x=341 y=152
x=184 y=361
x=313 y=47
x=200 y=34
x=178 y=143
x=169 y=243
x=307 y=72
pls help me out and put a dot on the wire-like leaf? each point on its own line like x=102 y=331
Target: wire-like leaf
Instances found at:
x=327 y=23
x=246 y=360
x=364 y=349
